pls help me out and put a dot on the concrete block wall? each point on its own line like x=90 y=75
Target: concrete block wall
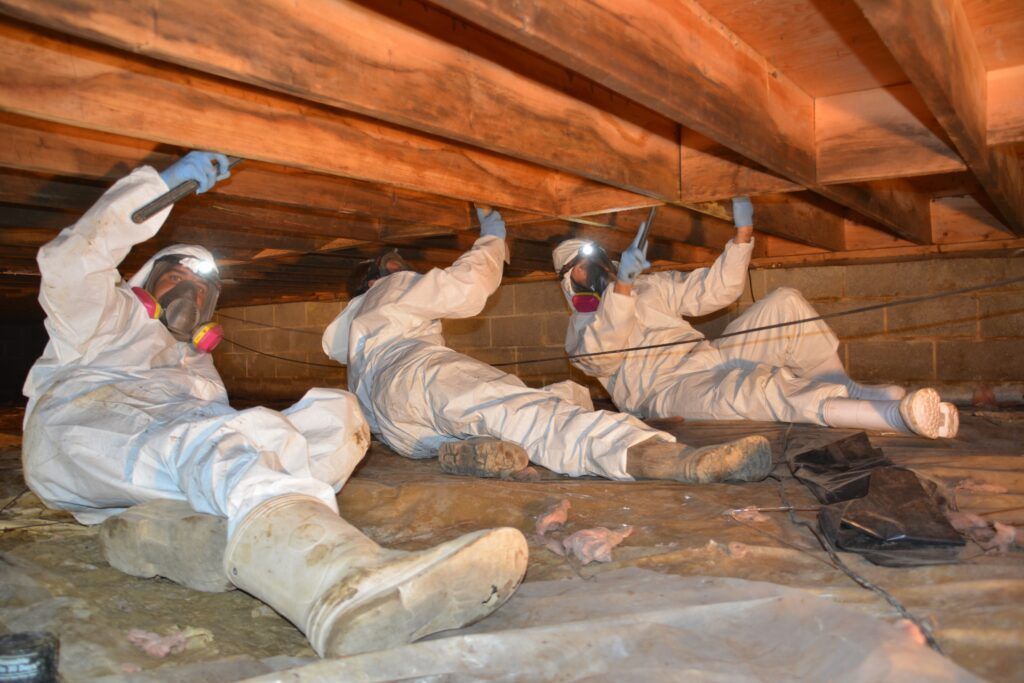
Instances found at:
x=963 y=345
x=290 y=331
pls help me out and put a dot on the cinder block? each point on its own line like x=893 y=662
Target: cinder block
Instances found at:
x=502 y=302
x=989 y=360
x=555 y=327
x=259 y=367
x=230 y=365
x=920 y=277
x=814 y=282
x=952 y=317
x=890 y=361
x=467 y=333
x=494 y=357
x=250 y=337
x=292 y=370
x=1001 y=314
x=555 y=370
x=290 y=315
x=261 y=315
x=752 y=277
x=539 y=297
x=306 y=340
x=856 y=326
x=320 y=314
x=274 y=340
x=530 y=330
x=756 y=279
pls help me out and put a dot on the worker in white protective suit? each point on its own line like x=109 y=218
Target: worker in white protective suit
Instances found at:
x=787 y=374
x=125 y=406
x=425 y=399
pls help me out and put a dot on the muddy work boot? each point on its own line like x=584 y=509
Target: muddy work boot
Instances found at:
x=746 y=459
x=148 y=540
x=349 y=595
x=482 y=456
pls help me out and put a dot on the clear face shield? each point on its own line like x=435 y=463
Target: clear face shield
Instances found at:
x=186 y=289
x=591 y=280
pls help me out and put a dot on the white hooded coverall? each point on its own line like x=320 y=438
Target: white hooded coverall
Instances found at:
x=756 y=376
x=120 y=413
x=417 y=393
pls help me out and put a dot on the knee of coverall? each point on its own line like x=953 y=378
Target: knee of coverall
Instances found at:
x=787 y=296
x=336 y=432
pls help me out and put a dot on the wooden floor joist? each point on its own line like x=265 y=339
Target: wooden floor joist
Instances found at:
x=871 y=130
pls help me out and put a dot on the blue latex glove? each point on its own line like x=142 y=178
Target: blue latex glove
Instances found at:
x=632 y=263
x=206 y=168
x=742 y=212
x=491 y=223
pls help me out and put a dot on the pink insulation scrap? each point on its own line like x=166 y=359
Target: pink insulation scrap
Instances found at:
x=1005 y=537
x=974 y=486
x=997 y=539
x=595 y=545
x=554 y=517
x=156 y=645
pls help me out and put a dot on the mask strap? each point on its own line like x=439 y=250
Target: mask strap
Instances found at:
x=152 y=306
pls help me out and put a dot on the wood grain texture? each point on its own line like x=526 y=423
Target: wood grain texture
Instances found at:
x=710 y=171
x=879 y=133
x=1005 y=106
x=69 y=82
x=677 y=59
x=933 y=42
x=827 y=47
x=673 y=57
x=421 y=71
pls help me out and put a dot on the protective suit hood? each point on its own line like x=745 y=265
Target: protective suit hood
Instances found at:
x=193 y=250
x=563 y=254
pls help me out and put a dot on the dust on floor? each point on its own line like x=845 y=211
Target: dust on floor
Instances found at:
x=54 y=576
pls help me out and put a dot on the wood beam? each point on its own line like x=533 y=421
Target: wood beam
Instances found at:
x=1005 y=106
x=681 y=62
x=66 y=81
x=710 y=172
x=964 y=219
x=45 y=147
x=880 y=133
x=672 y=57
x=895 y=203
x=400 y=62
x=932 y=41
x=801 y=217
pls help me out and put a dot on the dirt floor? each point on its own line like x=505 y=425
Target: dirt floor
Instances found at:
x=54 y=576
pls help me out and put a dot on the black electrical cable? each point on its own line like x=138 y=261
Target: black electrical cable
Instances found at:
x=268 y=325
x=926 y=630
x=826 y=316
x=333 y=366
x=684 y=342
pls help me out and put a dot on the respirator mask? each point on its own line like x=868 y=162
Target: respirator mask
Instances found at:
x=388 y=263
x=188 y=289
x=599 y=272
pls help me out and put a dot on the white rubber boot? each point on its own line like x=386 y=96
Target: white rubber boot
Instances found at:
x=853 y=413
x=349 y=595
x=831 y=370
x=926 y=414
x=950 y=421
